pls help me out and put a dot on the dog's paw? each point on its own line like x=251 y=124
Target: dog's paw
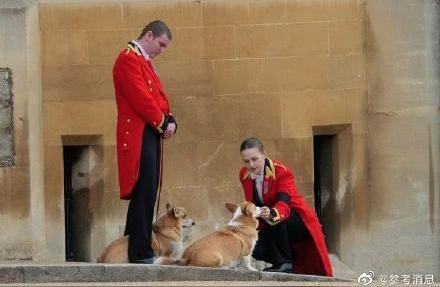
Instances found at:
x=158 y=261
x=250 y=268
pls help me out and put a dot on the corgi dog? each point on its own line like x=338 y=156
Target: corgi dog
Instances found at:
x=166 y=238
x=230 y=247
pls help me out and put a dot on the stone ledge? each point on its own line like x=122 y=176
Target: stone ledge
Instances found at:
x=85 y=272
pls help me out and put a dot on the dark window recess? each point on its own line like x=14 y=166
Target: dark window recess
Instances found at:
x=76 y=205
x=323 y=165
x=7 y=154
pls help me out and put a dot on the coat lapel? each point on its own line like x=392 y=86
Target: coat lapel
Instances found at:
x=147 y=65
x=248 y=189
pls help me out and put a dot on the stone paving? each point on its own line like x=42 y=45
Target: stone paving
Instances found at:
x=87 y=274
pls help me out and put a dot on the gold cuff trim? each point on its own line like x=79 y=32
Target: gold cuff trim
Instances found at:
x=159 y=126
x=277 y=217
x=270 y=222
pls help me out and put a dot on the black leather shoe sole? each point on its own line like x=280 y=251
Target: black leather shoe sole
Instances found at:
x=144 y=261
x=283 y=268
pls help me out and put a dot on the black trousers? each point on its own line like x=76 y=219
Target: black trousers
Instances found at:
x=143 y=198
x=273 y=244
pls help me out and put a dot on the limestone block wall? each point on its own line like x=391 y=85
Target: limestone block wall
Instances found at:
x=22 y=226
x=271 y=69
x=79 y=109
x=16 y=239
x=364 y=72
x=403 y=87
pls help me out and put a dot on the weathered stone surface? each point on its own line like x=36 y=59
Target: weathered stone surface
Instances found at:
x=170 y=273
x=75 y=273
x=138 y=273
x=11 y=275
x=281 y=70
x=83 y=272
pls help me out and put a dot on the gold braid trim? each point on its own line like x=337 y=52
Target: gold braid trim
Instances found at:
x=159 y=126
x=275 y=220
x=270 y=170
x=134 y=49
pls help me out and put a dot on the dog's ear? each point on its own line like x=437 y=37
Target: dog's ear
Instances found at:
x=179 y=212
x=231 y=207
x=170 y=209
x=248 y=209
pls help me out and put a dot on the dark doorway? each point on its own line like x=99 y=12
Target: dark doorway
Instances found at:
x=325 y=185
x=76 y=203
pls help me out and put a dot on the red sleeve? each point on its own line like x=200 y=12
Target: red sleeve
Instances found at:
x=285 y=189
x=128 y=75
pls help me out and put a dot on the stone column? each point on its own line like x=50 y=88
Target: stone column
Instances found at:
x=403 y=98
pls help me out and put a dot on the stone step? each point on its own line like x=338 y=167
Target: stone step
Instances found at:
x=80 y=273
x=184 y=284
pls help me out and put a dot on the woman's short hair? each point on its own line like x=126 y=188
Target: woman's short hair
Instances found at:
x=252 y=143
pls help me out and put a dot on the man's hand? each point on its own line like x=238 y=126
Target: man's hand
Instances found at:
x=171 y=128
x=265 y=212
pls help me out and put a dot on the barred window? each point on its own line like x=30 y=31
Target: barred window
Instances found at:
x=6 y=119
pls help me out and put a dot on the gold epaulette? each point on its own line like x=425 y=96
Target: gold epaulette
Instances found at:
x=270 y=169
x=134 y=49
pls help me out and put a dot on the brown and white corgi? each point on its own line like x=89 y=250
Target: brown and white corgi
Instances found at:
x=166 y=238
x=230 y=247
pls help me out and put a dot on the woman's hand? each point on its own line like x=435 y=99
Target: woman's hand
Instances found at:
x=265 y=212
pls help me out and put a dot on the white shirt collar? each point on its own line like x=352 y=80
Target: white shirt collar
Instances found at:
x=258 y=175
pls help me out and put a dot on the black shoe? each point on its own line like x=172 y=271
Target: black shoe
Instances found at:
x=144 y=261
x=283 y=267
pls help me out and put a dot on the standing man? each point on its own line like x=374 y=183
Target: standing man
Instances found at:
x=144 y=120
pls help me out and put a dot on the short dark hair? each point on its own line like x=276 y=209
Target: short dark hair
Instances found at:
x=251 y=143
x=156 y=27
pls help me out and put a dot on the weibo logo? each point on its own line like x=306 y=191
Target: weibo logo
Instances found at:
x=366 y=278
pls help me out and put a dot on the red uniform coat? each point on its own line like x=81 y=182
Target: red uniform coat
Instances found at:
x=311 y=254
x=140 y=100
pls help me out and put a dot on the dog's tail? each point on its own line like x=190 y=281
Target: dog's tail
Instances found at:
x=171 y=261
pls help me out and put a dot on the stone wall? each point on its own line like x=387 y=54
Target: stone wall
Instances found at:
x=363 y=72
x=403 y=72
x=16 y=239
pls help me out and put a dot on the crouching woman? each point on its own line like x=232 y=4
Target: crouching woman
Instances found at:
x=290 y=235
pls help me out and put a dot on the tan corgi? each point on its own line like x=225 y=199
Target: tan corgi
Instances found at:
x=166 y=238
x=230 y=247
